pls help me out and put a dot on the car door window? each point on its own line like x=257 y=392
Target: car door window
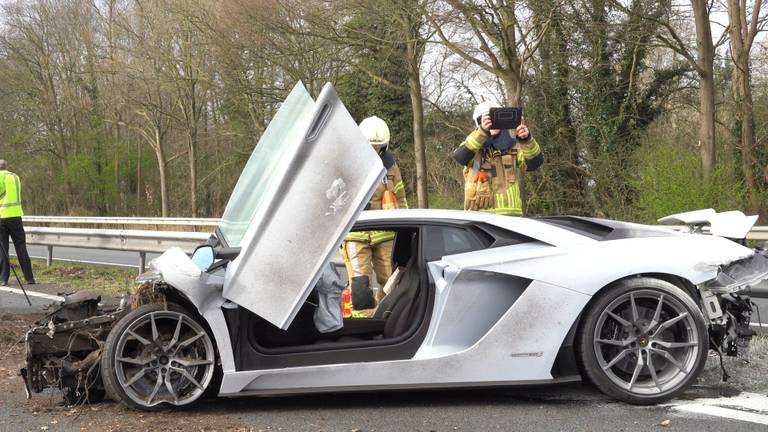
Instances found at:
x=281 y=139
x=447 y=240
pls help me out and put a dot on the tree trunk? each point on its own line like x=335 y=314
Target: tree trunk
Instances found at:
x=160 y=154
x=740 y=48
x=705 y=64
x=743 y=100
x=414 y=87
x=138 y=178
x=513 y=87
x=707 y=122
x=417 y=108
x=193 y=172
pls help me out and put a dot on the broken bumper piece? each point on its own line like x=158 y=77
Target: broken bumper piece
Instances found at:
x=740 y=275
x=64 y=348
x=728 y=305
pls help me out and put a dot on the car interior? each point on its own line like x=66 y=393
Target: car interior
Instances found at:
x=397 y=325
x=389 y=320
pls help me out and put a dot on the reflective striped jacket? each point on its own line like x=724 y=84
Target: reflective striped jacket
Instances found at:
x=503 y=170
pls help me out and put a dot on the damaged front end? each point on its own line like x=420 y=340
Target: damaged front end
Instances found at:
x=64 y=348
x=728 y=306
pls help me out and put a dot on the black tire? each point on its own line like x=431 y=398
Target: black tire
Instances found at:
x=685 y=340
x=111 y=376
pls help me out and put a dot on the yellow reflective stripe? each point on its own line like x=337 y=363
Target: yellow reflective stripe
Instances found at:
x=473 y=141
x=360 y=236
x=398 y=187
x=381 y=236
x=529 y=153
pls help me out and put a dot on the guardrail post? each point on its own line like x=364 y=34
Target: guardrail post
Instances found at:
x=49 y=255
x=142 y=262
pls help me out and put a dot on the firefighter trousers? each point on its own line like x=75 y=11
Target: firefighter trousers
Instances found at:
x=360 y=258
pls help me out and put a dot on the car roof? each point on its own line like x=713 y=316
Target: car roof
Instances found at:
x=531 y=227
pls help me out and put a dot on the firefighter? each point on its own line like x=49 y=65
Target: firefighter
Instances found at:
x=362 y=250
x=494 y=161
x=10 y=225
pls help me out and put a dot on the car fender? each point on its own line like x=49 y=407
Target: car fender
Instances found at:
x=204 y=291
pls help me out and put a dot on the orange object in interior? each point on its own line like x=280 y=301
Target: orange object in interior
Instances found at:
x=388 y=200
x=346 y=303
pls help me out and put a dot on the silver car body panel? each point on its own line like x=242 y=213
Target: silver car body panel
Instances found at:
x=508 y=333
x=320 y=189
x=494 y=358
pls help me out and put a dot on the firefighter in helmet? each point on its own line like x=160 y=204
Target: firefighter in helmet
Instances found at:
x=365 y=249
x=493 y=162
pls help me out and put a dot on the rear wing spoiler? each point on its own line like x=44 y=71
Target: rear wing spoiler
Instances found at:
x=729 y=224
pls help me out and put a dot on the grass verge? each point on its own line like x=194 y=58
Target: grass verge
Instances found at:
x=101 y=279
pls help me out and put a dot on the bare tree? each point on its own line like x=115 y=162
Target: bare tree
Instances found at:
x=700 y=57
x=501 y=30
x=744 y=25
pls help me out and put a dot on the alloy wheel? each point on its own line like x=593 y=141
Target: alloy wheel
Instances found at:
x=164 y=357
x=646 y=342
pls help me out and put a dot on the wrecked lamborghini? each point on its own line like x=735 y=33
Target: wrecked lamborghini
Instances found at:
x=476 y=299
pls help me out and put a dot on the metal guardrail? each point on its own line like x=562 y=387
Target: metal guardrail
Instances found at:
x=157 y=221
x=140 y=241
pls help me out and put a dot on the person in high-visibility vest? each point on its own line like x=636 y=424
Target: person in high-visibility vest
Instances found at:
x=494 y=161
x=362 y=250
x=11 y=225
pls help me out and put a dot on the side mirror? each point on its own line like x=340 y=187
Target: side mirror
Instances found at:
x=203 y=257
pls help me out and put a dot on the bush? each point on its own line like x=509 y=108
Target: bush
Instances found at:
x=670 y=180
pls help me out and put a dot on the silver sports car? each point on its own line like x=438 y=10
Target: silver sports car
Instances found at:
x=479 y=299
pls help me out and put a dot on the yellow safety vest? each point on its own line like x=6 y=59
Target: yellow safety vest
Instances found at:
x=10 y=197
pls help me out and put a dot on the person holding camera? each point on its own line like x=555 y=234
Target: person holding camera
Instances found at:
x=493 y=161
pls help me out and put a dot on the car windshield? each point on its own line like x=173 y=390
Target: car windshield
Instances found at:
x=261 y=174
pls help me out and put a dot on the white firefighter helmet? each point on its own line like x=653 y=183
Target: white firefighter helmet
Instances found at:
x=482 y=108
x=376 y=131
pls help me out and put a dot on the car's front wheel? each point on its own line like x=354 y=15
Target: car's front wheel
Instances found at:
x=156 y=356
x=642 y=341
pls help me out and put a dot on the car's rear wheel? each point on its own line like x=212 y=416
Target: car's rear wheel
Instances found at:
x=158 y=356
x=642 y=341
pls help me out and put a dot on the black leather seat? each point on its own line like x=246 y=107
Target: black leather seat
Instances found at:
x=397 y=306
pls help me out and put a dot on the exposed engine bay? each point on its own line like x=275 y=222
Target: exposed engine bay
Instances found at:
x=64 y=348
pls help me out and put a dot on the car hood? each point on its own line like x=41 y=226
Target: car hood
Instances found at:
x=308 y=179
